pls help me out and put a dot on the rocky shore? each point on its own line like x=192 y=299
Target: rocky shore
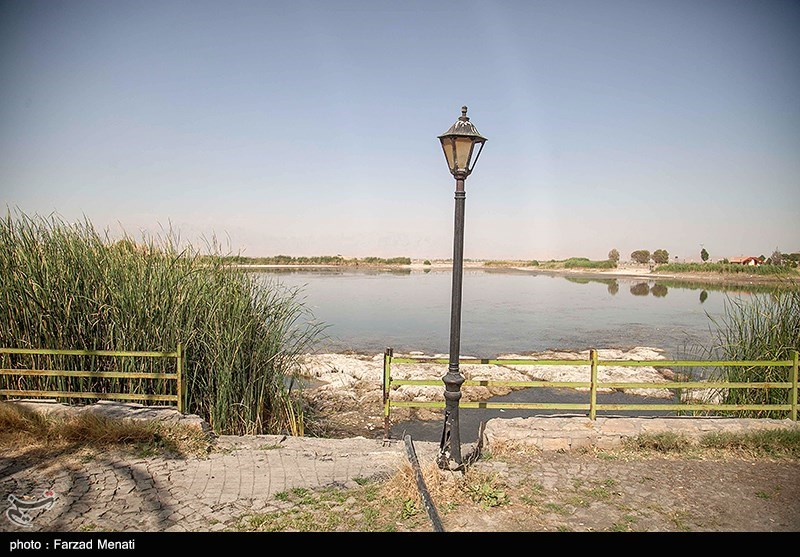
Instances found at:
x=348 y=387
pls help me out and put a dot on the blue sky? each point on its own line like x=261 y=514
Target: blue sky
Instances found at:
x=309 y=127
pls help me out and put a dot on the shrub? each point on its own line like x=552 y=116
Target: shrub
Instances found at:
x=584 y=263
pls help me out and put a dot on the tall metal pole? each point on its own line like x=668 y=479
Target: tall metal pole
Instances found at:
x=453 y=379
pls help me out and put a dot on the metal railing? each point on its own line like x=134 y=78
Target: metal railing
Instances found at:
x=72 y=393
x=593 y=385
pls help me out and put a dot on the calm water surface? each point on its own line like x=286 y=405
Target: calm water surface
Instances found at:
x=503 y=311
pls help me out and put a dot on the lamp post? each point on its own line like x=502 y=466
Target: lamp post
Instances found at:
x=462 y=145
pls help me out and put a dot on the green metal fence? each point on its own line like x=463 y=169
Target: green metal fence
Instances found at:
x=137 y=381
x=593 y=385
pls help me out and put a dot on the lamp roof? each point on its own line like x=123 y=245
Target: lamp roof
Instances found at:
x=463 y=128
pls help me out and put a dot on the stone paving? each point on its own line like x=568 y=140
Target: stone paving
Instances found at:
x=241 y=475
x=111 y=492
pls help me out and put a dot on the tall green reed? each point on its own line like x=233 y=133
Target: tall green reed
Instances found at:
x=67 y=286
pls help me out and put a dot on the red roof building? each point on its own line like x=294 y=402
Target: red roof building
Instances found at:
x=755 y=261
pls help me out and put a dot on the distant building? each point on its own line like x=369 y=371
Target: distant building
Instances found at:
x=754 y=261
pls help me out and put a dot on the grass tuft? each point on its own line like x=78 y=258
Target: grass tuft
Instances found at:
x=661 y=442
x=772 y=442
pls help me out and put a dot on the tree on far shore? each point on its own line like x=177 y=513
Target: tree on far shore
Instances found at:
x=704 y=255
x=641 y=256
x=661 y=256
x=613 y=255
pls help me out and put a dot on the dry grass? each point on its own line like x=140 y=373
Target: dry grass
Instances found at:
x=442 y=485
x=20 y=427
x=506 y=448
x=448 y=490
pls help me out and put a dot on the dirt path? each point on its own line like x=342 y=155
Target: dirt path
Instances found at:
x=576 y=492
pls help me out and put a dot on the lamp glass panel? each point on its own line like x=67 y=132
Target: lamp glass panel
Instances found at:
x=463 y=148
x=476 y=153
x=449 y=153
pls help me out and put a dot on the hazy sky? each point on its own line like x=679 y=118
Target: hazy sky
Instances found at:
x=309 y=127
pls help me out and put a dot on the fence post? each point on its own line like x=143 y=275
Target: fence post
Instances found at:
x=593 y=385
x=794 y=384
x=387 y=371
x=179 y=385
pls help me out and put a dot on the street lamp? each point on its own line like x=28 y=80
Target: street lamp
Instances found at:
x=462 y=146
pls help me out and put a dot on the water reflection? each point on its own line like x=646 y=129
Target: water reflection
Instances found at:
x=332 y=271
x=662 y=286
x=640 y=289
x=504 y=312
x=658 y=290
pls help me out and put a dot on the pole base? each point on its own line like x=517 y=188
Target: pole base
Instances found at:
x=444 y=459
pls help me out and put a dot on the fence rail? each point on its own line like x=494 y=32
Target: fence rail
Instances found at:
x=593 y=385
x=177 y=376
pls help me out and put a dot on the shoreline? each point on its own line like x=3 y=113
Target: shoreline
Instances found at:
x=643 y=273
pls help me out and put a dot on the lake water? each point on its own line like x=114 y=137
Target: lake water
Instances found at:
x=503 y=311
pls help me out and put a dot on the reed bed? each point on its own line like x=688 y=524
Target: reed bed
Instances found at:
x=761 y=327
x=68 y=286
x=727 y=268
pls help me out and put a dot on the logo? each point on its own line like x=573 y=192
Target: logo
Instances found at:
x=18 y=512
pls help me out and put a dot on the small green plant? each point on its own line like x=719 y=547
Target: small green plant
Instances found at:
x=282 y=496
x=678 y=518
x=625 y=524
x=409 y=509
x=258 y=521
x=536 y=487
x=370 y=516
x=486 y=492
x=578 y=501
x=371 y=492
x=599 y=492
x=556 y=508
x=763 y=495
